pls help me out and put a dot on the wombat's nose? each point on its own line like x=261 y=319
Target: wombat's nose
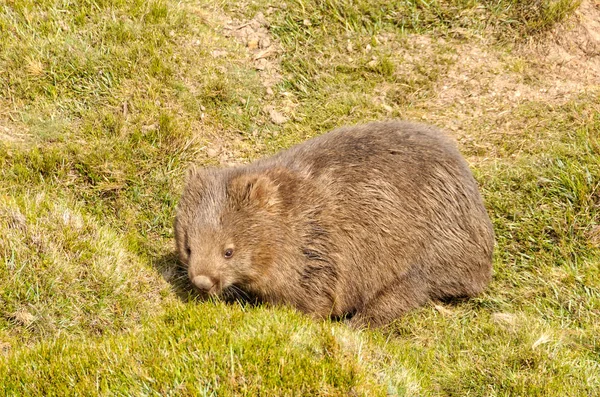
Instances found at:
x=203 y=283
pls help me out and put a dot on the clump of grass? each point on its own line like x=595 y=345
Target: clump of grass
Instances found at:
x=503 y=17
x=62 y=273
x=526 y=18
x=506 y=18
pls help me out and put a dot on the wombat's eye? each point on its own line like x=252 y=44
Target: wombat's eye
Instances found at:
x=228 y=253
x=188 y=251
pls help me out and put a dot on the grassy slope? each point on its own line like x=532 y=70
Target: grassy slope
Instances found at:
x=104 y=103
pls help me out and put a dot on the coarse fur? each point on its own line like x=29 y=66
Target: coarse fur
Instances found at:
x=367 y=221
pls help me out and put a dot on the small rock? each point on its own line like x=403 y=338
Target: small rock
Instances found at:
x=254 y=24
x=276 y=117
x=368 y=48
x=307 y=22
x=212 y=152
x=269 y=91
x=349 y=47
x=265 y=42
x=261 y=64
x=245 y=34
x=260 y=18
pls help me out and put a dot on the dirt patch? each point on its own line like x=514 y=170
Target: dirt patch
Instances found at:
x=264 y=53
x=12 y=134
x=550 y=69
x=573 y=48
x=263 y=49
x=476 y=97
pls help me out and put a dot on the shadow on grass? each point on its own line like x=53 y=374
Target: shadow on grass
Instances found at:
x=175 y=273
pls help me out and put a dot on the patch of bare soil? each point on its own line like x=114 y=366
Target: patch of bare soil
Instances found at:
x=552 y=68
x=263 y=52
x=263 y=48
x=573 y=49
x=10 y=133
x=475 y=98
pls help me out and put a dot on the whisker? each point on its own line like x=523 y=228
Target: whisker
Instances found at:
x=241 y=292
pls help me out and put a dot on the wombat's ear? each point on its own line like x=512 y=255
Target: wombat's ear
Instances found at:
x=253 y=189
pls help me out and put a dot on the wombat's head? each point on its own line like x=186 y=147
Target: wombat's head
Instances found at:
x=225 y=227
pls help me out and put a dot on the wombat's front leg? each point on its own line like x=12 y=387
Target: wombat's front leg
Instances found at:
x=407 y=293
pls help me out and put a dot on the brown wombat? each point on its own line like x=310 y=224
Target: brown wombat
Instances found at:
x=365 y=222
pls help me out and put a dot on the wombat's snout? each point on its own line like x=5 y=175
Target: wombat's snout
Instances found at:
x=203 y=283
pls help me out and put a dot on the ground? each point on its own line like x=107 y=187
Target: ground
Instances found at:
x=106 y=103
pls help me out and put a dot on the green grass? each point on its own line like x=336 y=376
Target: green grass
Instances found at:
x=105 y=104
x=501 y=18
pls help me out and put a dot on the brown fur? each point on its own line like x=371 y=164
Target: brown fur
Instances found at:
x=369 y=221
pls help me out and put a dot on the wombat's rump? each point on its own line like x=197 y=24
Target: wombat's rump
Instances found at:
x=367 y=221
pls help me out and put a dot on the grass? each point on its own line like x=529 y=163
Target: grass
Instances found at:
x=105 y=104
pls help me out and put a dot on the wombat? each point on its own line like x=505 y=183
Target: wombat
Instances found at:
x=363 y=223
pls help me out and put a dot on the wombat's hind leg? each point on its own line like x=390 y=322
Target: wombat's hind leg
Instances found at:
x=407 y=293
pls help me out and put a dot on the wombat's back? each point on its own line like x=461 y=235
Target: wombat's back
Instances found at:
x=397 y=201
